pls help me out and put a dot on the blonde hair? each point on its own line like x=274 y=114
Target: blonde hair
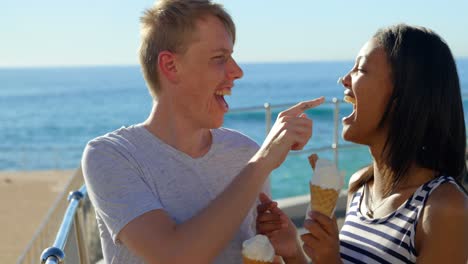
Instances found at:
x=170 y=25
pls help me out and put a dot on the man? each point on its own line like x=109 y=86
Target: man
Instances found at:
x=178 y=188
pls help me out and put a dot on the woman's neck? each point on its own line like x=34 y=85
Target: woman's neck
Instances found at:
x=415 y=176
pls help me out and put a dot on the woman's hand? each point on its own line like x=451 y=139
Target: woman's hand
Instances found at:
x=322 y=243
x=274 y=223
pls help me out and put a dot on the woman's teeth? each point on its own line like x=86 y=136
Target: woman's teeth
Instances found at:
x=349 y=99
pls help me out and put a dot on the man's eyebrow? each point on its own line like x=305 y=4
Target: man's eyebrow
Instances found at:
x=223 y=50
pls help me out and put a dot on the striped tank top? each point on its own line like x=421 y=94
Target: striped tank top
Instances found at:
x=384 y=240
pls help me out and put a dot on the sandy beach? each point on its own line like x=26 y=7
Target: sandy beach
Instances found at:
x=26 y=197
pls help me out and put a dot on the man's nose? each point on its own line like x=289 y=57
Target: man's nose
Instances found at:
x=235 y=71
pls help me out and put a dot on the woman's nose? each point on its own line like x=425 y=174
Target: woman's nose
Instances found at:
x=345 y=80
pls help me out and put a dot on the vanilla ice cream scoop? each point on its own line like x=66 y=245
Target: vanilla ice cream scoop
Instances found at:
x=258 y=248
x=327 y=175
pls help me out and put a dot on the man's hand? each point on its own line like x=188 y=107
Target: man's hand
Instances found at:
x=291 y=131
x=274 y=223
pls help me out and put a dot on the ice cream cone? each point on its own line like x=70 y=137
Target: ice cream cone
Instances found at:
x=323 y=200
x=247 y=260
x=258 y=250
x=313 y=160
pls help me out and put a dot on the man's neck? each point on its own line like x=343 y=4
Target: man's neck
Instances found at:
x=178 y=133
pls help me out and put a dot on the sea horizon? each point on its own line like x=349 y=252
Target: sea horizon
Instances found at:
x=50 y=113
x=45 y=66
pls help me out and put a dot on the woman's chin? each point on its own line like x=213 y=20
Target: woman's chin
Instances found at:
x=348 y=134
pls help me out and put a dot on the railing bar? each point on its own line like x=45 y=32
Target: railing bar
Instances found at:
x=245 y=109
x=311 y=150
x=66 y=225
x=273 y=106
x=84 y=191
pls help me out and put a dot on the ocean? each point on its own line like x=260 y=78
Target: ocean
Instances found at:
x=49 y=114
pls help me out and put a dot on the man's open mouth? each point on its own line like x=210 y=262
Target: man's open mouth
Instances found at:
x=220 y=98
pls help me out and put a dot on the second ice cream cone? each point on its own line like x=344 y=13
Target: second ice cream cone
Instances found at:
x=323 y=200
x=258 y=250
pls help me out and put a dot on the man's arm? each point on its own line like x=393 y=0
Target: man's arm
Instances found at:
x=157 y=239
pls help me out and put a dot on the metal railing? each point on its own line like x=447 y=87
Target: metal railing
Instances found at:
x=71 y=230
x=70 y=226
x=334 y=146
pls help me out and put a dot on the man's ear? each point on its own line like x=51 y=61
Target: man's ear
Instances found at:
x=167 y=65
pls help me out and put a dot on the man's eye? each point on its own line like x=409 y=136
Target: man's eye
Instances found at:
x=220 y=59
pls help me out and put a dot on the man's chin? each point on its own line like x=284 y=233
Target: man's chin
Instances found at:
x=215 y=124
x=218 y=125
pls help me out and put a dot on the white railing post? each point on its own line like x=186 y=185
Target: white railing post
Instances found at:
x=267 y=107
x=336 y=117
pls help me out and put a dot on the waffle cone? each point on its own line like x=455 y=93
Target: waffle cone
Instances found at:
x=313 y=160
x=323 y=200
x=246 y=260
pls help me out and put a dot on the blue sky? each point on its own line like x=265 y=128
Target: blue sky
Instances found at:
x=105 y=32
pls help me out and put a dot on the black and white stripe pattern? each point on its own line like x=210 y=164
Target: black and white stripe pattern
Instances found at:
x=384 y=240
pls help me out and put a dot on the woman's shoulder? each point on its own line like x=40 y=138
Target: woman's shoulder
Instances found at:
x=358 y=175
x=446 y=204
x=359 y=178
x=444 y=218
x=356 y=181
x=448 y=198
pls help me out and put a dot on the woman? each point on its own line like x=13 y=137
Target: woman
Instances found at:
x=408 y=206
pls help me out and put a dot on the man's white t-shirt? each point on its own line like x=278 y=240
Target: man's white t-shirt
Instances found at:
x=130 y=171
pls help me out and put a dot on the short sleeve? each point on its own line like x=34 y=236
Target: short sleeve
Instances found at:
x=116 y=185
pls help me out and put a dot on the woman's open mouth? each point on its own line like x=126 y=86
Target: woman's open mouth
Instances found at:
x=351 y=100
